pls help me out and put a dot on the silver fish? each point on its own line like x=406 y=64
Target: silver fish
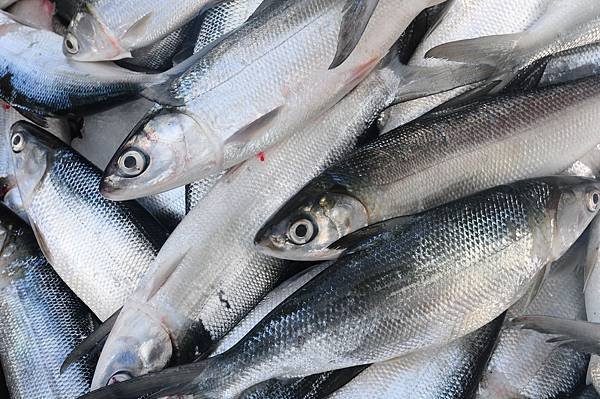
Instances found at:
x=439 y=276
x=6 y=3
x=285 y=78
x=37 y=13
x=451 y=372
x=42 y=320
x=592 y=287
x=65 y=87
x=572 y=64
x=199 y=308
x=523 y=363
x=98 y=247
x=437 y=159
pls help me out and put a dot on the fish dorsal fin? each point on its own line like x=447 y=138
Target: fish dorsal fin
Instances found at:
x=93 y=343
x=262 y=8
x=580 y=335
x=254 y=128
x=138 y=28
x=354 y=240
x=355 y=18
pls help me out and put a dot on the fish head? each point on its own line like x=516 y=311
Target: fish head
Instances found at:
x=304 y=228
x=33 y=151
x=575 y=203
x=161 y=153
x=88 y=39
x=137 y=344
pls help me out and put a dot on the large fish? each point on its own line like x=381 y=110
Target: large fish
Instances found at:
x=437 y=159
x=98 y=247
x=36 y=77
x=523 y=363
x=208 y=275
x=450 y=372
x=284 y=82
x=42 y=320
x=402 y=286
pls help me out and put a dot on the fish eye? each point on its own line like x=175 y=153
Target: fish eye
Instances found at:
x=17 y=142
x=119 y=376
x=71 y=44
x=301 y=232
x=132 y=163
x=593 y=200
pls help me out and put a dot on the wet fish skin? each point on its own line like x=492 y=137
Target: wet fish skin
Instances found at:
x=524 y=364
x=572 y=64
x=196 y=315
x=98 y=247
x=42 y=320
x=439 y=158
x=592 y=287
x=507 y=234
x=452 y=371
x=64 y=87
x=286 y=79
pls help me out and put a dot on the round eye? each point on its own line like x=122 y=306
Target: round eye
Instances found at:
x=132 y=163
x=593 y=200
x=119 y=376
x=71 y=44
x=17 y=142
x=301 y=231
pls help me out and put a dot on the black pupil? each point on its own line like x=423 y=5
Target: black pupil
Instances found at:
x=595 y=198
x=129 y=162
x=16 y=140
x=301 y=230
x=69 y=44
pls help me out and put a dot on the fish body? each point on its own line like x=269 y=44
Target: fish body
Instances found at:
x=442 y=157
x=64 y=87
x=276 y=90
x=98 y=247
x=572 y=64
x=42 y=321
x=452 y=371
x=592 y=287
x=408 y=286
x=201 y=308
x=523 y=363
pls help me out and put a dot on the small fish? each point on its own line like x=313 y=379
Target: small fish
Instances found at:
x=98 y=247
x=42 y=320
x=439 y=158
x=439 y=275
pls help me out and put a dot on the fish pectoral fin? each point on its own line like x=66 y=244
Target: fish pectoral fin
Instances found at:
x=580 y=335
x=355 y=18
x=529 y=77
x=138 y=28
x=93 y=343
x=351 y=243
x=254 y=129
x=38 y=119
x=535 y=285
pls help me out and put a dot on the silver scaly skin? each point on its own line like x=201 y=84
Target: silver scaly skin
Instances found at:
x=592 y=288
x=100 y=248
x=451 y=372
x=439 y=276
x=42 y=320
x=523 y=363
x=572 y=64
x=208 y=275
x=276 y=91
x=439 y=158
x=64 y=87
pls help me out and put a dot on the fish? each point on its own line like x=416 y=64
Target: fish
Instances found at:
x=592 y=287
x=572 y=64
x=428 y=272
x=6 y=3
x=167 y=208
x=523 y=363
x=196 y=191
x=436 y=159
x=42 y=320
x=104 y=30
x=452 y=371
x=588 y=392
x=37 y=13
x=285 y=79
x=463 y=19
x=65 y=87
x=199 y=282
x=99 y=248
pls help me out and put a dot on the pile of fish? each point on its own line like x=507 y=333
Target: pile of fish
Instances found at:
x=300 y=199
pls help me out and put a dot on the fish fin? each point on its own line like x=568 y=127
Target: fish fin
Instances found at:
x=579 y=335
x=353 y=239
x=138 y=28
x=417 y=81
x=161 y=93
x=92 y=343
x=535 y=285
x=171 y=381
x=493 y=50
x=528 y=78
x=253 y=129
x=38 y=119
x=355 y=18
x=160 y=276
x=262 y=8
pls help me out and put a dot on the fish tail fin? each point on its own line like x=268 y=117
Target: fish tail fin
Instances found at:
x=580 y=335
x=181 y=380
